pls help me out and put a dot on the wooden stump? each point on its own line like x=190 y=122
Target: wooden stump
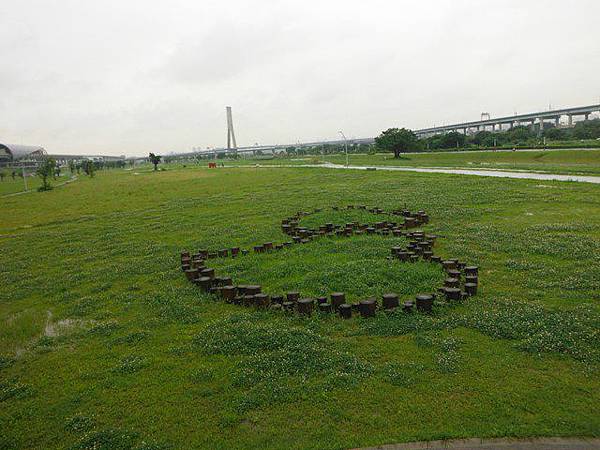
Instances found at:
x=305 y=306
x=368 y=307
x=424 y=302
x=390 y=301
x=345 y=311
x=337 y=298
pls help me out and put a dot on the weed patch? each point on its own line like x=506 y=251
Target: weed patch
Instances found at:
x=104 y=328
x=110 y=439
x=403 y=375
x=79 y=424
x=6 y=362
x=202 y=375
x=574 y=333
x=131 y=364
x=131 y=338
x=14 y=390
x=278 y=358
x=537 y=329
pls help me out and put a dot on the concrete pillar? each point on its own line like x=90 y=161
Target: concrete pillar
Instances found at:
x=570 y=120
x=557 y=121
x=587 y=116
x=541 y=125
x=511 y=125
x=465 y=131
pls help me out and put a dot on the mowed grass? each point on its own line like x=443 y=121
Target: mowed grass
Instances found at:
x=103 y=344
x=10 y=186
x=585 y=162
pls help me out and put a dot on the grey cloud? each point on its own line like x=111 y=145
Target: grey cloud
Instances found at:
x=130 y=77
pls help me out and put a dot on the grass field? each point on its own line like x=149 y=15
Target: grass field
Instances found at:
x=554 y=161
x=9 y=186
x=104 y=344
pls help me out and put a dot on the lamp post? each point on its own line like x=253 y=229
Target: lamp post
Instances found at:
x=24 y=178
x=345 y=146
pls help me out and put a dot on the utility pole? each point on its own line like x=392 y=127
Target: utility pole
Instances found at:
x=345 y=146
x=24 y=177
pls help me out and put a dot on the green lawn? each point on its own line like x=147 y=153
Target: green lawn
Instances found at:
x=10 y=186
x=104 y=344
x=585 y=162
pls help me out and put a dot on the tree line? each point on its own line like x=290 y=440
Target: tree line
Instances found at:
x=402 y=140
x=48 y=169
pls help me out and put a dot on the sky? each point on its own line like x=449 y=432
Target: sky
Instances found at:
x=130 y=77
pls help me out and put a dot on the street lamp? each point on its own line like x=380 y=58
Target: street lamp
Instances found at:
x=345 y=146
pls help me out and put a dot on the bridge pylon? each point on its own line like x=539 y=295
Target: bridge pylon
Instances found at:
x=230 y=132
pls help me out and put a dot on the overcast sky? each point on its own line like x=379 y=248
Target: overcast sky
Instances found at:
x=129 y=77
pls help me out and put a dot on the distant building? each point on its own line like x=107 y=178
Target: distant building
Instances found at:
x=10 y=153
x=64 y=159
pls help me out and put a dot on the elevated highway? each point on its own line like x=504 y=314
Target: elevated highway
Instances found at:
x=497 y=124
x=536 y=119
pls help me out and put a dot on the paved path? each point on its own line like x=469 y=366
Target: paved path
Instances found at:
x=482 y=172
x=498 y=444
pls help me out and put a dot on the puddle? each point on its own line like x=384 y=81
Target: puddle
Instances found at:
x=483 y=173
x=63 y=326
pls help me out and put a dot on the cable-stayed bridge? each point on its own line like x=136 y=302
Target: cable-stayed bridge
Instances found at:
x=535 y=120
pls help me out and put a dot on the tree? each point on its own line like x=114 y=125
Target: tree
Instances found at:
x=154 y=159
x=72 y=167
x=2 y=175
x=397 y=140
x=453 y=139
x=589 y=129
x=45 y=171
x=519 y=134
x=481 y=137
x=88 y=167
x=554 y=134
